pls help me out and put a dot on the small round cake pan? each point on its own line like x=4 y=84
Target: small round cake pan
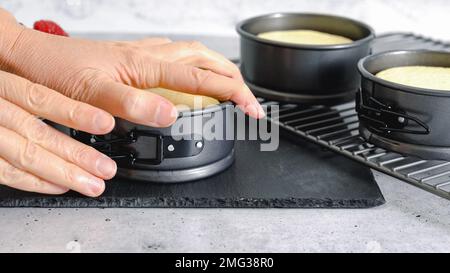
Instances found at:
x=188 y=150
x=312 y=74
x=402 y=118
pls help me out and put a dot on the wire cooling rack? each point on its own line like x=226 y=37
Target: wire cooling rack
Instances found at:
x=337 y=128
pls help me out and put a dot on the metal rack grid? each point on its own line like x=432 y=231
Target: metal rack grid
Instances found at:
x=336 y=128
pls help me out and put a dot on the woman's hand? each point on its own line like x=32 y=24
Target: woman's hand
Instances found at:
x=71 y=80
x=34 y=156
x=109 y=75
x=186 y=52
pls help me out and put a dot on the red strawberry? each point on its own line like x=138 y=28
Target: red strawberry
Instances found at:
x=49 y=27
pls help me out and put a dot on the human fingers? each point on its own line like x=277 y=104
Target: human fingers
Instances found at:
x=35 y=130
x=51 y=105
x=15 y=178
x=32 y=158
x=196 y=54
x=198 y=81
x=133 y=104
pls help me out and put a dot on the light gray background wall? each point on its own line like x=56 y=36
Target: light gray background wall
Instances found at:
x=431 y=17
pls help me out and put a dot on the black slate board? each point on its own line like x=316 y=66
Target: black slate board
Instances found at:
x=298 y=175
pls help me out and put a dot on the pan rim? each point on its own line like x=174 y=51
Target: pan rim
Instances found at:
x=206 y=110
x=359 y=42
x=397 y=86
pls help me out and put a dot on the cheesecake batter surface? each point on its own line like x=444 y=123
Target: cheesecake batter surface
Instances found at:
x=429 y=77
x=183 y=100
x=305 y=37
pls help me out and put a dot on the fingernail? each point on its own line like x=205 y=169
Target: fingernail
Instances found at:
x=106 y=166
x=261 y=112
x=55 y=189
x=166 y=114
x=251 y=110
x=103 y=122
x=257 y=110
x=95 y=186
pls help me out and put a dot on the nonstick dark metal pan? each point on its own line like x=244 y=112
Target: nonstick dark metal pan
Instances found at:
x=168 y=155
x=317 y=74
x=402 y=118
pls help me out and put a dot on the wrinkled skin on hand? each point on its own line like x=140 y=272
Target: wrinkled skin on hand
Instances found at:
x=109 y=75
x=186 y=52
x=36 y=157
x=82 y=84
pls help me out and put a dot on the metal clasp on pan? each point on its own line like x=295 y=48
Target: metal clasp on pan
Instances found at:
x=141 y=147
x=386 y=118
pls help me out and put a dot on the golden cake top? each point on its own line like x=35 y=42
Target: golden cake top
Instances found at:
x=180 y=99
x=305 y=37
x=429 y=77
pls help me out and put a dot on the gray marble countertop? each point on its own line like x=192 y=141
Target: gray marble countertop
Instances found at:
x=411 y=220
